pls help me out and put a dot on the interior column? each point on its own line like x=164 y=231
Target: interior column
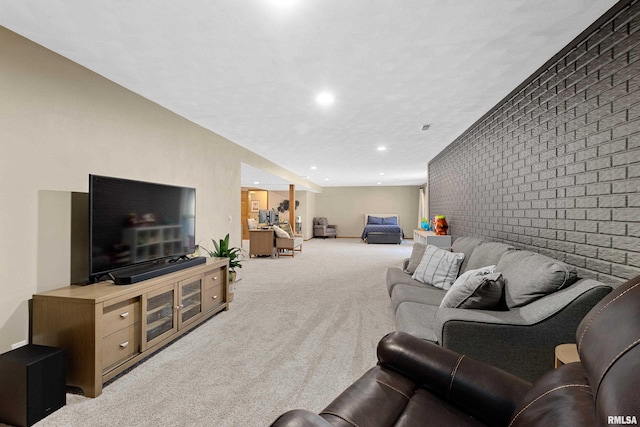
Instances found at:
x=292 y=206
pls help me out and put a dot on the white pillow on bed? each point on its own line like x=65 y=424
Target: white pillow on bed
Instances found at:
x=438 y=267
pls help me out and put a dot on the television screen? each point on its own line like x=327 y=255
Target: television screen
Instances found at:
x=134 y=222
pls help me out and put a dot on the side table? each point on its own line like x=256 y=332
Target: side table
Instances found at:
x=566 y=353
x=261 y=242
x=430 y=238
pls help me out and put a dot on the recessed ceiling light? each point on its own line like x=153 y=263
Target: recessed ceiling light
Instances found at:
x=314 y=167
x=327 y=179
x=381 y=173
x=382 y=148
x=256 y=182
x=325 y=98
x=282 y=3
x=379 y=183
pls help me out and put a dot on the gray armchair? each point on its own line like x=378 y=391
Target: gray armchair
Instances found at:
x=322 y=228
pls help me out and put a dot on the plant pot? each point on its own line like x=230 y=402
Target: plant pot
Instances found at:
x=232 y=284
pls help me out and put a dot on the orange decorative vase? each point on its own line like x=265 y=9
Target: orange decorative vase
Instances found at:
x=440 y=225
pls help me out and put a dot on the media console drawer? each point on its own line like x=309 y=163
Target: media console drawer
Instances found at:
x=120 y=346
x=214 y=278
x=213 y=297
x=104 y=328
x=120 y=315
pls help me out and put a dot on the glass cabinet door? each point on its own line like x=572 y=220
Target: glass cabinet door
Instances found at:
x=160 y=319
x=190 y=299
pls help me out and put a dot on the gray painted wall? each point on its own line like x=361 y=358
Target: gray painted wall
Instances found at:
x=555 y=167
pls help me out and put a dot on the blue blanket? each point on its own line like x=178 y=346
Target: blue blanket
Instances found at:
x=381 y=228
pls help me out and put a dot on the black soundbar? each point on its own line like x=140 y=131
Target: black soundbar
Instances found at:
x=149 y=271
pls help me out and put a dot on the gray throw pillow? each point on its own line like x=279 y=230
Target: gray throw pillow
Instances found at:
x=529 y=276
x=416 y=257
x=438 y=267
x=480 y=292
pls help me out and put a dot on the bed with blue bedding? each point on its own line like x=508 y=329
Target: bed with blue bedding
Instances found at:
x=382 y=228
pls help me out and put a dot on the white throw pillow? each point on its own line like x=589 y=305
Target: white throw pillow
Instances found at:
x=438 y=267
x=280 y=232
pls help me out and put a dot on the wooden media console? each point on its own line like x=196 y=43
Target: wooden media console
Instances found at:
x=106 y=328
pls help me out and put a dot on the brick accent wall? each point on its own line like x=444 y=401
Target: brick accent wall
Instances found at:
x=555 y=167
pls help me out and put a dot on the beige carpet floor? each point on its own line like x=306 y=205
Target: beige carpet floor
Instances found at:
x=298 y=332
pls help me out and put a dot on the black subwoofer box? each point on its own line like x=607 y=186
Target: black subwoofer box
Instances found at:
x=32 y=384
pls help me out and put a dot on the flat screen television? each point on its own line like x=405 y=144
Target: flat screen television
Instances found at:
x=134 y=222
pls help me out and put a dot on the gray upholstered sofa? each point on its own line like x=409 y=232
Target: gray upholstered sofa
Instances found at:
x=515 y=336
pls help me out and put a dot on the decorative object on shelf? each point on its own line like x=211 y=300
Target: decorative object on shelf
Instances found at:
x=235 y=255
x=440 y=225
x=425 y=224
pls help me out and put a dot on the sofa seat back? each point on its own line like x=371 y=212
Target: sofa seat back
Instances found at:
x=487 y=253
x=529 y=276
x=608 y=340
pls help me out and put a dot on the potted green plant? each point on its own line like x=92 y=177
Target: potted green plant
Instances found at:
x=222 y=249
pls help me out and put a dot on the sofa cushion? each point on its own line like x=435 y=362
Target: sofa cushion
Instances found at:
x=287 y=227
x=465 y=245
x=529 y=276
x=438 y=267
x=425 y=294
x=482 y=292
x=396 y=276
x=417 y=320
x=280 y=232
x=558 y=396
x=416 y=256
x=488 y=253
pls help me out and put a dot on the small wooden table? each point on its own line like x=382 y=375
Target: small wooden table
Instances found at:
x=566 y=353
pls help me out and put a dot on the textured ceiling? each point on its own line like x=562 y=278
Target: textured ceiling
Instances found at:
x=250 y=70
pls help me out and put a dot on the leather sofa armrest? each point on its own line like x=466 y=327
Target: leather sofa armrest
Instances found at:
x=300 y=418
x=482 y=390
